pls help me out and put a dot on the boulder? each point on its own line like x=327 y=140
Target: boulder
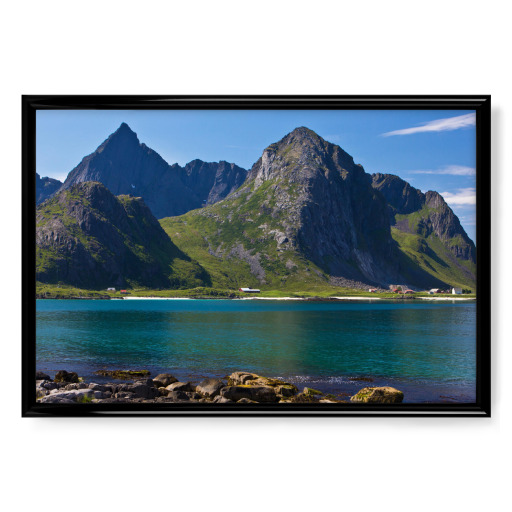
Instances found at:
x=238 y=378
x=210 y=387
x=378 y=395
x=40 y=392
x=178 y=396
x=256 y=393
x=49 y=385
x=181 y=386
x=124 y=395
x=64 y=376
x=42 y=376
x=222 y=400
x=246 y=401
x=286 y=390
x=251 y=379
x=311 y=391
x=99 y=387
x=74 y=395
x=164 y=379
x=140 y=389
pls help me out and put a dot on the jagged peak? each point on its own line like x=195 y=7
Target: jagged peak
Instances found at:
x=123 y=134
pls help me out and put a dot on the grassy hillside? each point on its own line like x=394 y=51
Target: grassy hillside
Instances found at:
x=432 y=254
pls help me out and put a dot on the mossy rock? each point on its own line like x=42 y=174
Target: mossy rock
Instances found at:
x=311 y=391
x=64 y=376
x=124 y=374
x=381 y=395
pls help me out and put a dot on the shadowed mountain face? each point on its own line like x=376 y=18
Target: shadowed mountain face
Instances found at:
x=305 y=214
x=88 y=238
x=427 y=229
x=45 y=188
x=125 y=166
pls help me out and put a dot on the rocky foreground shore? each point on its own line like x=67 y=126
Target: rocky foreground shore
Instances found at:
x=239 y=387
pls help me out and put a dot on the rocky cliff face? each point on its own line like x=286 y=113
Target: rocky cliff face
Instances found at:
x=431 y=214
x=45 y=188
x=306 y=214
x=326 y=206
x=88 y=238
x=428 y=231
x=125 y=166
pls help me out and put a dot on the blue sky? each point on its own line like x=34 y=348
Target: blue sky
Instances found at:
x=431 y=149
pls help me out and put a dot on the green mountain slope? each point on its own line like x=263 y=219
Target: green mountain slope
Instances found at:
x=87 y=237
x=307 y=216
x=427 y=230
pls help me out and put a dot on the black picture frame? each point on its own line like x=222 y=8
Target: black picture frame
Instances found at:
x=480 y=103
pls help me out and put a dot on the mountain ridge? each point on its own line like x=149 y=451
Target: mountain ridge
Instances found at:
x=127 y=166
x=306 y=213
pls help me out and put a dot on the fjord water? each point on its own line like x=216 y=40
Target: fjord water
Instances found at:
x=426 y=349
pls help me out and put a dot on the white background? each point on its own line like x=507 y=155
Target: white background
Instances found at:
x=265 y=47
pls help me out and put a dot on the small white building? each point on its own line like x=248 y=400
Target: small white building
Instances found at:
x=249 y=290
x=456 y=291
x=111 y=289
x=435 y=290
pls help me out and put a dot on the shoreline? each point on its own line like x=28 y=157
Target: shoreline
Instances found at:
x=135 y=386
x=310 y=299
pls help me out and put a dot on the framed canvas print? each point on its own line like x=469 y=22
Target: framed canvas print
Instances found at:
x=260 y=255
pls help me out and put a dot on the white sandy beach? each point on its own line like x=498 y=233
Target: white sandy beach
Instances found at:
x=446 y=298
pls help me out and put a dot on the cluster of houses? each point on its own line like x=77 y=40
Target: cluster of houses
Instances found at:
x=124 y=292
x=400 y=288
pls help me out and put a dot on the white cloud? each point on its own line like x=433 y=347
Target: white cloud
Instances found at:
x=463 y=197
x=455 y=170
x=438 y=125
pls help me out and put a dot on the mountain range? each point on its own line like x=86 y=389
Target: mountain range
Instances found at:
x=126 y=166
x=304 y=215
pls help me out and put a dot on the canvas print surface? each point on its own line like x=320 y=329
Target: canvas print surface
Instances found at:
x=256 y=257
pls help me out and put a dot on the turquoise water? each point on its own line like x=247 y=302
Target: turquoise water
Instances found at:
x=425 y=349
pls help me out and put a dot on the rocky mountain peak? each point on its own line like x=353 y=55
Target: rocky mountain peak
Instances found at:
x=123 y=136
x=401 y=197
x=300 y=156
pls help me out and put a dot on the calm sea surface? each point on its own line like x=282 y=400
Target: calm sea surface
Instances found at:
x=425 y=349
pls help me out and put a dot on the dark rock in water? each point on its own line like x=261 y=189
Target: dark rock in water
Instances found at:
x=124 y=374
x=382 y=395
x=42 y=376
x=360 y=379
x=210 y=387
x=256 y=393
x=64 y=376
x=164 y=379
